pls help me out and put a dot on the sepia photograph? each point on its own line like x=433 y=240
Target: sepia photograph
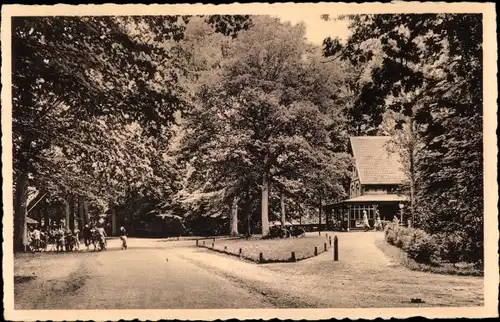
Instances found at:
x=295 y=156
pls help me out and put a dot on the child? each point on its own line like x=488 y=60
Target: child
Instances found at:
x=60 y=238
x=123 y=237
x=77 y=238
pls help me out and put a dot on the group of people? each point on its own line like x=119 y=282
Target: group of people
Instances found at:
x=53 y=238
x=377 y=225
x=64 y=239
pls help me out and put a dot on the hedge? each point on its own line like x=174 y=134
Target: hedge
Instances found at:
x=426 y=248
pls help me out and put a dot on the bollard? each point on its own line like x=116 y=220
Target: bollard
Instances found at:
x=330 y=240
x=240 y=252
x=197 y=242
x=319 y=232
x=326 y=235
x=336 y=249
x=325 y=247
x=212 y=245
x=225 y=247
x=293 y=259
x=261 y=258
x=315 y=251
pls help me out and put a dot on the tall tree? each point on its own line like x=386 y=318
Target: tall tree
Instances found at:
x=270 y=116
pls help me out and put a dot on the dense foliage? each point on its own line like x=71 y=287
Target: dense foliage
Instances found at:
x=428 y=79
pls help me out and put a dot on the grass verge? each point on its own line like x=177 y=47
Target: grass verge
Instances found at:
x=401 y=257
x=271 y=250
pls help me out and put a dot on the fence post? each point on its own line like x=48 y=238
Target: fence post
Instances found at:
x=197 y=242
x=293 y=259
x=261 y=258
x=325 y=247
x=315 y=251
x=240 y=252
x=335 y=249
x=330 y=240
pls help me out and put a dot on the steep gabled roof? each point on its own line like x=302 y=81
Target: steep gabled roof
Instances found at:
x=375 y=165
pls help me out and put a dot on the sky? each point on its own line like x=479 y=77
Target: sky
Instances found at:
x=317 y=29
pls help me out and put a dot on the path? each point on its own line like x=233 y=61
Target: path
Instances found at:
x=141 y=278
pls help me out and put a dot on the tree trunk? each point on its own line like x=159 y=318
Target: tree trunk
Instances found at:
x=73 y=209
x=320 y=206
x=86 y=217
x=20 y=213
x=265 y=201
x=283 y=213
x=113 y=221
x=81 y=214
x=67 y=213
x=249 y=223
x=412 y=171
x=233 y=220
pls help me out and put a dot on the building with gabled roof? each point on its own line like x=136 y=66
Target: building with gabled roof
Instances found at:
x=376 y=179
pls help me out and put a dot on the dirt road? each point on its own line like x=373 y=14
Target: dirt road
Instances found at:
x=154 y=274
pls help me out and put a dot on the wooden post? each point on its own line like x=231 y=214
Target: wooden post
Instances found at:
x=315 y=251
x=293 y=259
x=325 y=247
x=197 y=242
x=330 y=240
x=240 y=252
x=335 y=249
x=261 y=258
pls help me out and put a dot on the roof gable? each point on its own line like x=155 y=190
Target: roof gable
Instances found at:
x=374 y=164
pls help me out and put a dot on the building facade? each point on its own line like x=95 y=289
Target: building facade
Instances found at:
x=375 y=181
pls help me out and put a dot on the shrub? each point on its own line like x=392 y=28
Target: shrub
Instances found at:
x=391 y=233
x=451 y=246
x=423 y=247
x=405 y=238
x=419 y=245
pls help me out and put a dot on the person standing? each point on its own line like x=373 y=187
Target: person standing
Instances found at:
x=76 y=233
x=87 y=236
x=123 y=237
x=36 y=238
x=366 y=224
x=60 y=237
